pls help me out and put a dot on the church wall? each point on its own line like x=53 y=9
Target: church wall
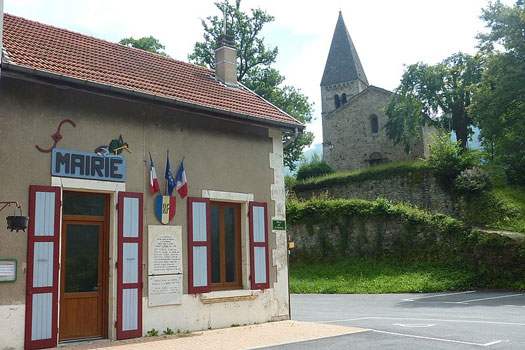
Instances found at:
x=348 y=138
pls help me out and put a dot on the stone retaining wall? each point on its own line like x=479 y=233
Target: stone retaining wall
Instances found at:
x=418 y=189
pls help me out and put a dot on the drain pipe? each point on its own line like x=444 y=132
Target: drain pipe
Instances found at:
x=292 y=139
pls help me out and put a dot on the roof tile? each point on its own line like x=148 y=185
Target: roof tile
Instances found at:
x=59 y=51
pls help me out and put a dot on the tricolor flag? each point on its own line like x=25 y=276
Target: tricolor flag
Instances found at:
x=182 y=184
x=170 y=180
x=153 y=181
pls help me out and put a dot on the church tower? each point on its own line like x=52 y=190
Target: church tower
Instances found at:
x=343 y=75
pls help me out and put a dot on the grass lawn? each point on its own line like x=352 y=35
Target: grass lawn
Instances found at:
x=361 y=275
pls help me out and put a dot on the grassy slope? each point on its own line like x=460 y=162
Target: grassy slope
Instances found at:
x=359 y=275
x=371 y=173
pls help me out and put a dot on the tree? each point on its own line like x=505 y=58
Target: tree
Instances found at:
x=438 y=95
x=149 y=43
x=499 y=103
x=254 y=67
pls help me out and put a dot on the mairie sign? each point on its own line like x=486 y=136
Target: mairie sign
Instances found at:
x=85 y=165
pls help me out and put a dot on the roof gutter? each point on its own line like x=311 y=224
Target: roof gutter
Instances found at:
x=213 y=112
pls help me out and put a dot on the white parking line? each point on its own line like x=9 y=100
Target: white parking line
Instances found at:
x=439 y=339
x=423 y=319
x=414 y=325
x=482 y=299
x=439 y=295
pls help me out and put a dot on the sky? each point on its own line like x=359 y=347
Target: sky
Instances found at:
x=388 y=35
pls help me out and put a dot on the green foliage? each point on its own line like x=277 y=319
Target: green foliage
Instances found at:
x=473 y=180
x=149 y=43
x=501 y=208
x=314 y=168
x=168 y=331
x=499 y=102
x=371 y=275
x=497 y=174
x=289 y=182
x=439 y=243
x=254 y=68
x=152 y=333
x=372 y=173
x=447 y=159
x=427 y=95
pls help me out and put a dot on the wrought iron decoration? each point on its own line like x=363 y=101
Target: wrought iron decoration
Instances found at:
x=56 y=136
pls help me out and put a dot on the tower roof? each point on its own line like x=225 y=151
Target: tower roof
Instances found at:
x=343 y=63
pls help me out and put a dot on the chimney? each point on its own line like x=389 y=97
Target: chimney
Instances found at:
x=225 y=60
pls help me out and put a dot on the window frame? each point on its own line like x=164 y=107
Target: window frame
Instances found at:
x=223 y=285
x=374 y=121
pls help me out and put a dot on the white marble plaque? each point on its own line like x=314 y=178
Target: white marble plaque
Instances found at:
x=164 y=290
x=164 y=250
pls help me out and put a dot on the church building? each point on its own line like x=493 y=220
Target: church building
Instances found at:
x=353 y=120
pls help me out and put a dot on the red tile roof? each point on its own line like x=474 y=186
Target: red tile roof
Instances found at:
x=58 y=51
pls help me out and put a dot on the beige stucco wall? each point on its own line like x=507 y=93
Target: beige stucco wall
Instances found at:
x=348 y=140
x=219 y=155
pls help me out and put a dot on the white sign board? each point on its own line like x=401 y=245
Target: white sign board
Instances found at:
x=164 y=250
x=164 y=290
x=8 y=270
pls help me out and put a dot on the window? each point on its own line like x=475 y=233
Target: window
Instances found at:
x=337 y=101
x=343 y=97
x=225 y=236
x=374 y=124
x=214 y=245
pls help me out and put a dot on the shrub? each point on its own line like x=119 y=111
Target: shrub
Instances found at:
x=448 y=160
x=289 y=183
x=473 y=180
x=314 y=168
x=497 y=175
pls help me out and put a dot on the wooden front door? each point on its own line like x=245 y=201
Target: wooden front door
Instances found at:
x=84 y=266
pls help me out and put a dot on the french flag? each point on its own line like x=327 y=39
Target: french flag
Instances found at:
x=182 y=184
x=153 y=181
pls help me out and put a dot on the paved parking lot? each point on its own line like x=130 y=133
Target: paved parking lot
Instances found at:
x=464 y=320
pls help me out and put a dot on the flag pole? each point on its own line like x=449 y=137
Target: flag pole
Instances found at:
x=166 y=182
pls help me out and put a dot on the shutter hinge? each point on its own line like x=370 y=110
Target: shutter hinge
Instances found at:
x=116 y=324
x=116 y=264
x=116 y=206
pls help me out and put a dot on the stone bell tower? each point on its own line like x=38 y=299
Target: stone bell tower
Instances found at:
x=343 y=75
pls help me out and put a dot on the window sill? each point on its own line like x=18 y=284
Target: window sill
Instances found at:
x=228 y=296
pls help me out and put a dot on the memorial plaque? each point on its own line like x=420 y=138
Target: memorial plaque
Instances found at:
x=164 y=290
x=164 y=250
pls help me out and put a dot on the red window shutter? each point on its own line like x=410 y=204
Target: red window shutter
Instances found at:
x=259 y=263
x=43 y=242
x=199 y=250
x=129 y=266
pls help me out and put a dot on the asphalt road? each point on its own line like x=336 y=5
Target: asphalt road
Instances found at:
x=466 y=320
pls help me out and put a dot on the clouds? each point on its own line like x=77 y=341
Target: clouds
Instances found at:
x=387 y=34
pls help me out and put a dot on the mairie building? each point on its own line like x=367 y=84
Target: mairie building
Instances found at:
x=106 y=255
